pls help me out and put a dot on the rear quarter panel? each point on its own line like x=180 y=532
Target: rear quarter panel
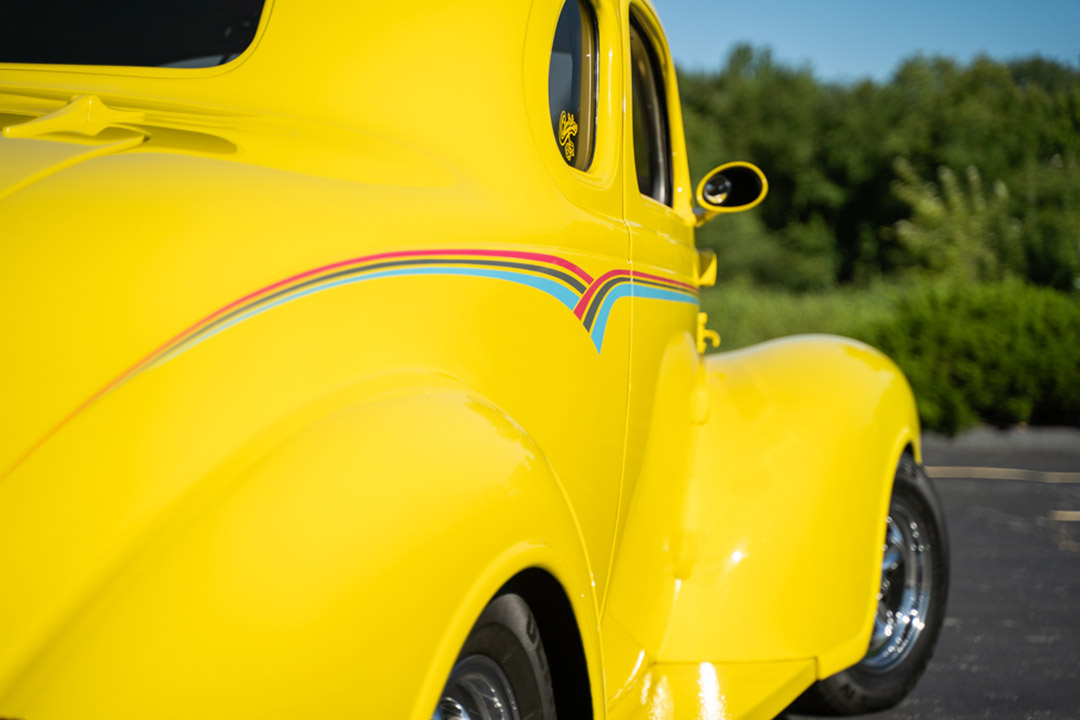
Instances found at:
x=299 y=576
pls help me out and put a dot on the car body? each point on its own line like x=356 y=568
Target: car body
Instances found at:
x=310 y=353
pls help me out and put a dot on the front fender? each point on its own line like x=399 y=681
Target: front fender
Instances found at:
x=772 y=546
x=794 y=472
x=336 y=574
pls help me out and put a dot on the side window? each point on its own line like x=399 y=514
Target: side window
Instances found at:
x=652 y=148
x=572 y=83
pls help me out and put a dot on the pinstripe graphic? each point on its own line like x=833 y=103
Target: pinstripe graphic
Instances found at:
x=589 y=300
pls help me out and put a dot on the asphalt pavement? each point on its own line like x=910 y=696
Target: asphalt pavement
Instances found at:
x=1010 y=647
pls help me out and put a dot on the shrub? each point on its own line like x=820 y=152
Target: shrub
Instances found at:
x=1000 y=353
x=744 y=313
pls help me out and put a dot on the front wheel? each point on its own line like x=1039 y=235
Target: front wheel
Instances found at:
x=910 y=604
x=502 y=671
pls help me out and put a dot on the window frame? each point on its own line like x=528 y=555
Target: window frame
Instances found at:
x=589 y=89
x=150 y=71
x=599 y=190
x=660 y=161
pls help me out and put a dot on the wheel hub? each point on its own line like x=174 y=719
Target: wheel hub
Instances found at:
x=905 y=590
x=477 y=690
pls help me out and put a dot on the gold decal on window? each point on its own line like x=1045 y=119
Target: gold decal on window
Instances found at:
x=567 y=130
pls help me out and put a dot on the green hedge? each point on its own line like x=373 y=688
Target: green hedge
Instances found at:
x=1001 y=353
x=744 y=313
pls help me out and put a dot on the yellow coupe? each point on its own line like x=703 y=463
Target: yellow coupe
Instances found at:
x=353 y=367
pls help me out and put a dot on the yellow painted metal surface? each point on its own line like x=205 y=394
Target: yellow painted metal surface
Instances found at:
x=713 y=691
x=757 y=553
x=306 y=355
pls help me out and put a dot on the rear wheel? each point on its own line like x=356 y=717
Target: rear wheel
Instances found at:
x=502 y=672
x=910 y=606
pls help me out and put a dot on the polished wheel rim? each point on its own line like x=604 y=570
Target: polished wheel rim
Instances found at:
x=906 y=588
x=477 y=690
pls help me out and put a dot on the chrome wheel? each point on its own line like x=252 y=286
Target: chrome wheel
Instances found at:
x=907 y=571
x=477 y=690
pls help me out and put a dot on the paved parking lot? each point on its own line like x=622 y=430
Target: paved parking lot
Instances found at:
x=1011 y=643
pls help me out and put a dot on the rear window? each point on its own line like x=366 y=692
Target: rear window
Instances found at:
x=150 y=33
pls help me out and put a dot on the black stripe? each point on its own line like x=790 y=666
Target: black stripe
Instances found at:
x=597 y=299
x=594 y=304
x=653 y=283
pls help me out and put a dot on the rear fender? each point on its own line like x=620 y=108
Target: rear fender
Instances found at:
x=335 y=575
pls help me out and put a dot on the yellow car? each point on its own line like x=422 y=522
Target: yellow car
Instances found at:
x=353 y=367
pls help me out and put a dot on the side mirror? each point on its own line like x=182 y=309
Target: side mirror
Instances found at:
x=731 y=187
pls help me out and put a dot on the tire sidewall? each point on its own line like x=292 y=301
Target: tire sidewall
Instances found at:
x=506 y=632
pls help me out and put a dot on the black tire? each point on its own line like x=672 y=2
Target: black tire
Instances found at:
x=504 y=657
x=894 y=662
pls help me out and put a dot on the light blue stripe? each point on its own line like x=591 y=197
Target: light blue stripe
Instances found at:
x=632 y=290
x=600 y=321
x=563 y=294
x=647 y=291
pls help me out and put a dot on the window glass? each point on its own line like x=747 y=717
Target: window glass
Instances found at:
x=192 y=33
x=572 y=83
x=652 y=155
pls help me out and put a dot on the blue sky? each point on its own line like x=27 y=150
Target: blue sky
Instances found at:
x=850 y=39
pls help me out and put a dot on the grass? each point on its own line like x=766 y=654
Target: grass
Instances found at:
x=744 y=314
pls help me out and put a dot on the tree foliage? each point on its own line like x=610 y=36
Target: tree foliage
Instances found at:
x=963 y=234
x=939 y=200
x=865 y=178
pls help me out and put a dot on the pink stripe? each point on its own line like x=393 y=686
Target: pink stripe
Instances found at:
x=551 y=259
x=579 y=309
x=663 y=279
